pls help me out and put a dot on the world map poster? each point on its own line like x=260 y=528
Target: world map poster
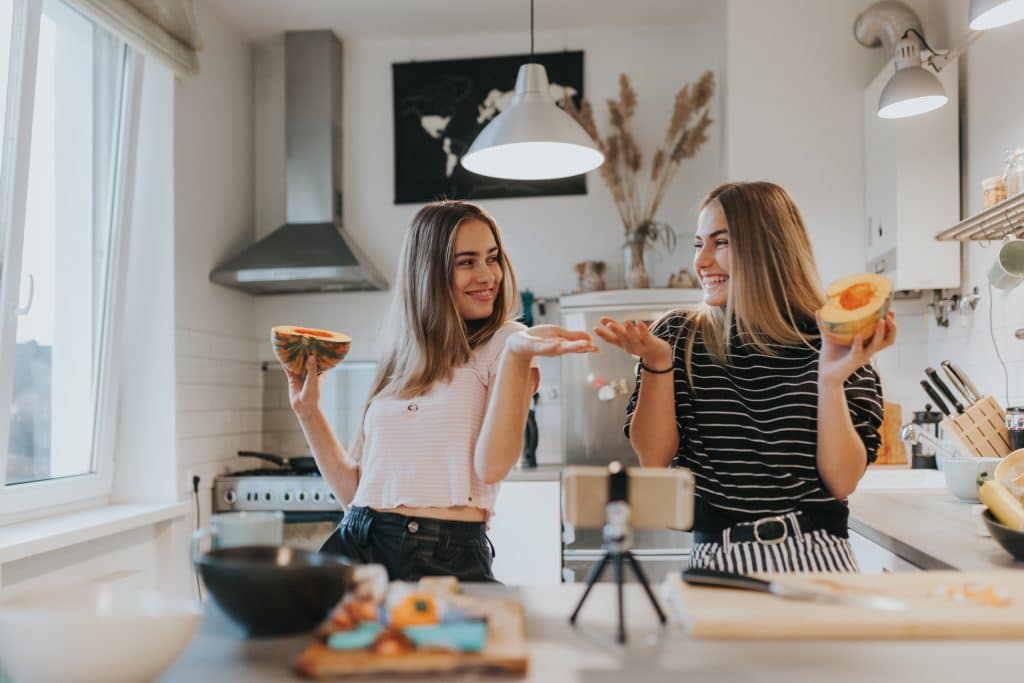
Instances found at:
x=441 y=106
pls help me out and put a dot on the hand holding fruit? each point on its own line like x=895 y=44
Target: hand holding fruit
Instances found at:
x=304 y=388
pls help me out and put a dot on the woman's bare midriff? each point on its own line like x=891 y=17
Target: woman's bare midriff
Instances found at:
x=461 y=513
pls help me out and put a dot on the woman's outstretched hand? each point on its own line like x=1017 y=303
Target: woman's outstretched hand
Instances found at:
x=837 y=363
x=549 y=340
x=634 y=337
x=304 y=389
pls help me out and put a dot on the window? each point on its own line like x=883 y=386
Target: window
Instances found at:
x=63 y=172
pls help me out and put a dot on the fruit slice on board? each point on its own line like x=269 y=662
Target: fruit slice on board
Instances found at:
x=294 y=344
x=855 y=304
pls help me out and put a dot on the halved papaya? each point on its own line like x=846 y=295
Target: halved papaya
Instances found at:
x=294 y=344
x=855 y=305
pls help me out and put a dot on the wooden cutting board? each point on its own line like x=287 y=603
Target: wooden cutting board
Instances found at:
x=718 y=613
x=892 y=451
x=504 y=653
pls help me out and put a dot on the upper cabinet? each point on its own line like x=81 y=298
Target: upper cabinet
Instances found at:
x=912 y=189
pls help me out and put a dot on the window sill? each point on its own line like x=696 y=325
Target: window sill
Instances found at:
x=25 y=539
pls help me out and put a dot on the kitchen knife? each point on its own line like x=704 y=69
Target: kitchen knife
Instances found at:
x=719 y=579
x=934 y=396
x=934 y=377
x=964 y=379
x=954 y=379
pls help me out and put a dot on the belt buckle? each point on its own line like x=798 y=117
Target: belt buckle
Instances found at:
x=773 y=541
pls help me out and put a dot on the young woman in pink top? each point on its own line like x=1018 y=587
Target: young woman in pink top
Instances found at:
x=444 y=421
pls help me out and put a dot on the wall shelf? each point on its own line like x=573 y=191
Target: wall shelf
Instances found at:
x=994 y=223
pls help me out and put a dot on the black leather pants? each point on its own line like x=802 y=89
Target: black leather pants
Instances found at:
x=413 y=547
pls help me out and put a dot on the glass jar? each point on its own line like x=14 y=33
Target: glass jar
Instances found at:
x=994 y=189
x=1014 y=172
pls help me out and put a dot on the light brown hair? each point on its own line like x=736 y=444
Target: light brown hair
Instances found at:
x=773 y=288
x=426 y=336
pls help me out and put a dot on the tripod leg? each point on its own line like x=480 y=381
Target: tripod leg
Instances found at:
x=618 y=581
x=647 y=587
x=592 y=577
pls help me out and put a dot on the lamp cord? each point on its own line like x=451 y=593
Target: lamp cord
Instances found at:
x=944 y=54
x=531 y=31
x=992 y=333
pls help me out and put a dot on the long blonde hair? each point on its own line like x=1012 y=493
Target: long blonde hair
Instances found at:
x=773 y=283
x=426 y=336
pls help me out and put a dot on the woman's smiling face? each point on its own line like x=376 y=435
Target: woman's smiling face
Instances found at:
x=711 y=254
x=477 y=270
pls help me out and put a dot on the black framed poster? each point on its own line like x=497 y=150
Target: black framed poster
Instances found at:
x=440 y=108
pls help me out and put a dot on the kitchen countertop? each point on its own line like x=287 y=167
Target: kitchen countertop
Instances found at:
x=589 y=653
x=929 y=528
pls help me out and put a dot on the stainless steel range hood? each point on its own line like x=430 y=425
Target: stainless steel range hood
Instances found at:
x=311 y=252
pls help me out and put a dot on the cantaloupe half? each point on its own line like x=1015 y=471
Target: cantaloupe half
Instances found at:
x=855 y=305
x=293 y=345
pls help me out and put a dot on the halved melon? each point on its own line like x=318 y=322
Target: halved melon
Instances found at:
x=294 y=344
x=855 y=305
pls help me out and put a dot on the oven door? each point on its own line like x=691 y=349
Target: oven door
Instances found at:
x=309 y=530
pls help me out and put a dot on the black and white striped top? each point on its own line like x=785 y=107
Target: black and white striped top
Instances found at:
x=748 y=430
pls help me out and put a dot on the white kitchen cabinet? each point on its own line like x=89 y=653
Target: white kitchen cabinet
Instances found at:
x=912 y=189
x=526 y=532
x=874 y=559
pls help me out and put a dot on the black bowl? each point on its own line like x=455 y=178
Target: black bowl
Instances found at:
x=274 y=591
x=1011 y=540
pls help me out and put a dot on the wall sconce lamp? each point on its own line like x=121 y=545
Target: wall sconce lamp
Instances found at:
x=533 y=139
x=986 y=14
x=913 y=89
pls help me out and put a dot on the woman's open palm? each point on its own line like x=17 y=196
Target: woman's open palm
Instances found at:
x=634 y=337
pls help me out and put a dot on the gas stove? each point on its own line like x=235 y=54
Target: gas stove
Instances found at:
x=299 y=496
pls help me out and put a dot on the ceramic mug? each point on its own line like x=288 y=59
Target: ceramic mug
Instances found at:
x=232 y=529
x=1008 y=270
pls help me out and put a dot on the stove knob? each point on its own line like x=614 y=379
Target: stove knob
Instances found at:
x=316 y=496
x=330 y=497
x=230 y=496
x=286 y=496
x=302 y=496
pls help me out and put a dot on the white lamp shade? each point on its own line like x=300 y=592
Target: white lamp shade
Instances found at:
x=910 y=91
x=533 y=139
x=986 y=14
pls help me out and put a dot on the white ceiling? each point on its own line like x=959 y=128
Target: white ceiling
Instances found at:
x=258 y=19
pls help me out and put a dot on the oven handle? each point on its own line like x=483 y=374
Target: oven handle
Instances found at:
x=297 y=516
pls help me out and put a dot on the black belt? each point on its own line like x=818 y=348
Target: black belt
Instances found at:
x=768 y=530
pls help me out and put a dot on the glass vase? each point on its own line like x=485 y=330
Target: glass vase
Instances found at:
x=636 y=260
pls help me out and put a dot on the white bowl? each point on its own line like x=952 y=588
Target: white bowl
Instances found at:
x=965 y=475
x=94 y=632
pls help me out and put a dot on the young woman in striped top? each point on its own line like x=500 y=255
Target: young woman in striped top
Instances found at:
x=776 y=423
x=444 y=421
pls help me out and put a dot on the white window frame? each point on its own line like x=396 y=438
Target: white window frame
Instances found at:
x=40 y=497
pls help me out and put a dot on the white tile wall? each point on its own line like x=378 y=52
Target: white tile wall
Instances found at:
x=219 y=398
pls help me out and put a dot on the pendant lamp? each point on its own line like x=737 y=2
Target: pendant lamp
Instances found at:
x=912 y=90
x=533 y=139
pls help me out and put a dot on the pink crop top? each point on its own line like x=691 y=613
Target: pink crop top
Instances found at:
x=419 y=452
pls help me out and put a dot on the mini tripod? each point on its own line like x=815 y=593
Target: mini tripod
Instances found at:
x=618 y=539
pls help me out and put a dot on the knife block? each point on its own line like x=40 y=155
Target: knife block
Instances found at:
x=981 y=429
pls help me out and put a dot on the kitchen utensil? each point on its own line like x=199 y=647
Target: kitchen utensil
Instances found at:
x=927 y=422
x=933 y=395
x=788 y=591
x=930 y=615
x=1011 y=540
x=981 y=430
x=274 y=591
x=304 y=464
x=937 y=381
x=1015 y=426
x=957 y=383
x=965 y=475
x=98 y=631
x=912 y=433
x=965 y=379
x=1008 y=270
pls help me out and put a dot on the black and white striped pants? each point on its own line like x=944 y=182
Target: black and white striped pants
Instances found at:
x=801 y=551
